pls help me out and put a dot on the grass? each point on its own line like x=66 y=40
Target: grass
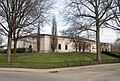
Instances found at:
x=50 y=60
x=2 y=57
x=53 y=57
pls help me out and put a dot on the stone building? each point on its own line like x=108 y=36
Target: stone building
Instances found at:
x=64 y=44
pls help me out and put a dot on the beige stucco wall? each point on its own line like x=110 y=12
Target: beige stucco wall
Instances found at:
x=105 y=47
x=45 y=44
x=25 y=42
x=47 y=47
x=42 y=44
x=93 y=47
x=63 y=42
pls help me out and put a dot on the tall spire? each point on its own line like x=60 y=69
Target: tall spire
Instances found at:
x=54 y=34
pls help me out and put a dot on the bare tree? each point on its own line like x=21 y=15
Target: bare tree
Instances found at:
x=19 y=32
x=14 y=14
x=115 y=22
x=43 y=10
x=93 y=12
x=117 y=13
x=116 y=47
x=74 y=34
x=78 y=35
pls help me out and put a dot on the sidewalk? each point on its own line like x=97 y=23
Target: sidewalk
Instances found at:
x=56 y=69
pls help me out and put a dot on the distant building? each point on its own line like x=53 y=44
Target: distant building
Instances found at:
x=64 y=44
x=106 y=47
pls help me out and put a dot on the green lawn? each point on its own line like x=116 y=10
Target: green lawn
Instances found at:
x=2 y=57
x=53 y=57
x=51 y=60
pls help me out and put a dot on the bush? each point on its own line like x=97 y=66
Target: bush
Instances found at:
x=21 y=50
x=3 y=51
x=110 y=54
x=30 y=49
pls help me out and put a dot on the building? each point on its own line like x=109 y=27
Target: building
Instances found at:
x=54 y=43
x=106 y=47
x=64 y=44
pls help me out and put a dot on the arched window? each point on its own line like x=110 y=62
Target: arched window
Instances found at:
x=59 y=46
x=66 y=47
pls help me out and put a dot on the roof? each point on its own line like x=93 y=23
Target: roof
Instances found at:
x=35 y=35
x=43 y=35
x=5 y=45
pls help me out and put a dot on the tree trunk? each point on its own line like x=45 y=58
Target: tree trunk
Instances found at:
x=76 y=47
x=38 y=39
x=15 y=46
x=15 y=42
x=53 y=45
x=53 y=49
x=84 y=46
x=9 y=47
x=98 y=56
x=79 y=47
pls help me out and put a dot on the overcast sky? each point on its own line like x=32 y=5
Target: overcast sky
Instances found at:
x=106 y=35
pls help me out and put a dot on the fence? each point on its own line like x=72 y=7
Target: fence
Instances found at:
x=46 y=65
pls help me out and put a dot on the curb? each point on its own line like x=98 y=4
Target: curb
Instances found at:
x=56 y=70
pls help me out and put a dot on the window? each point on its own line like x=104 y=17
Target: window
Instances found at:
x=59 y=46
x=66 y=47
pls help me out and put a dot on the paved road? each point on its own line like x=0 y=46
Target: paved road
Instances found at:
x=95 y=73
